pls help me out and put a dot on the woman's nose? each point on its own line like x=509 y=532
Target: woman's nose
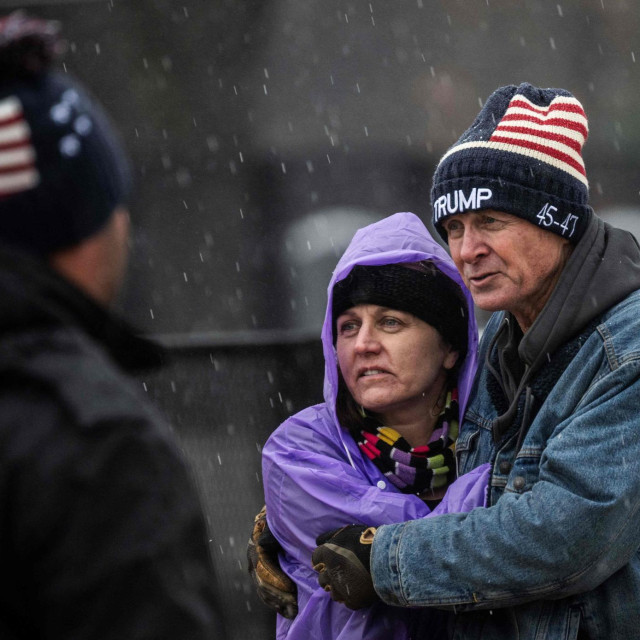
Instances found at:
x=366 y=341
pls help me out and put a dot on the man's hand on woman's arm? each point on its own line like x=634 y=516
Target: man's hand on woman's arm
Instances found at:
x=274 y=587
x=342 y=560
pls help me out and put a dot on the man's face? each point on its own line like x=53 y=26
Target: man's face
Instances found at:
x=506 y=262
x=98 y=264
x=119 y=233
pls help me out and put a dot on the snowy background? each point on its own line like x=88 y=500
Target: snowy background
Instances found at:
x=262 y=134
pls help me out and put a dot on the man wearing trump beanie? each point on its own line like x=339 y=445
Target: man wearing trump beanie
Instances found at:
x=555 y=401
x=101 y=530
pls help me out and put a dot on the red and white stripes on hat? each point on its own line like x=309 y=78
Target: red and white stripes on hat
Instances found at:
x=553 y=134
x=17 y=155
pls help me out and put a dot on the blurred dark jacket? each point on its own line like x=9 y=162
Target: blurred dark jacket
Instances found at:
x=101 y=530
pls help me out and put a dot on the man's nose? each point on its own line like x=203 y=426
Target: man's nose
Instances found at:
x=471 y=246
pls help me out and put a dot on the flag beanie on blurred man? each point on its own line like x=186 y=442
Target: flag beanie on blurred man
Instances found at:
x=101 y=531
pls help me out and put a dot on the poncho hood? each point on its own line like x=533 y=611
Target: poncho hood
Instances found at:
x=401 y=237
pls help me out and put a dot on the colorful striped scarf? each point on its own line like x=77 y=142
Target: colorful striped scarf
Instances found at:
x=414 y=469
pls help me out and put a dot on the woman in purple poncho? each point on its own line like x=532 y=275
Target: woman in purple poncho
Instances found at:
x=399 y=341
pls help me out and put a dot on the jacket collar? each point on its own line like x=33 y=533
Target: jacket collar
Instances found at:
x=33 y=296
x=603 y=269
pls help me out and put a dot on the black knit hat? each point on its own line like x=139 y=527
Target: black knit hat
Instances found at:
x=522 y=155
x=422 y=290
x=62 y=169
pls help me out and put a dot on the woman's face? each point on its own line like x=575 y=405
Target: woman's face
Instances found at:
x=393 y=363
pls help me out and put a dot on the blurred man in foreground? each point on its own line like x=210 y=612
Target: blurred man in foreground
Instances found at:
x=101 y=530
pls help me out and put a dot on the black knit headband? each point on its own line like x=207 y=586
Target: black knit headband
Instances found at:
x=427 y=293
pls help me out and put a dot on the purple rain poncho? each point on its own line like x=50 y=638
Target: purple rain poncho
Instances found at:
x=316 y=479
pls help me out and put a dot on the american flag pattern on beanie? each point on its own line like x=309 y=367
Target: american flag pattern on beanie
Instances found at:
x=17 y=155
x=554 y=134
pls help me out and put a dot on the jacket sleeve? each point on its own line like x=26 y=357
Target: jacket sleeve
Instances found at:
x=310 y=488
x=569 y=531
x=107 y=535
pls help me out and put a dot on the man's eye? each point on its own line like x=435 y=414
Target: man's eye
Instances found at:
x=391 y=322
x=453 y=228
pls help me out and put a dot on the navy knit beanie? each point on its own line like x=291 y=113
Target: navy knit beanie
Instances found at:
x=62 y=169
x=522 y=155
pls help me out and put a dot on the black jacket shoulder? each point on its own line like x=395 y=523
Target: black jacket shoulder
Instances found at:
x=101 y=530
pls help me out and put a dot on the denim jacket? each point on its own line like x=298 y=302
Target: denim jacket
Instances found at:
x=555 y=556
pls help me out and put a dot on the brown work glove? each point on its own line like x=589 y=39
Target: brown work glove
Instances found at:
x=274 y=587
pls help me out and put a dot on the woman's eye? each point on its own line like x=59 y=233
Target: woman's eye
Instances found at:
x=391 y=322
x=345 y=327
